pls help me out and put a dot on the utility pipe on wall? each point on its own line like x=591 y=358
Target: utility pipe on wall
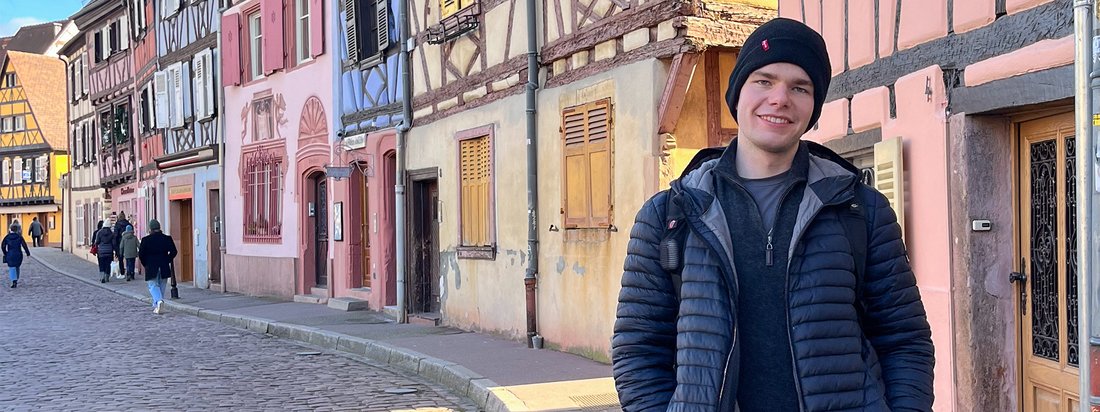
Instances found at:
x=530 y=279
x=399 y=181
x=1085 y=88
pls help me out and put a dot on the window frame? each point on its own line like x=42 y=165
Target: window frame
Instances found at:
x=272 y=159
x=465 y=249
x=300 y=26
x=255 y=45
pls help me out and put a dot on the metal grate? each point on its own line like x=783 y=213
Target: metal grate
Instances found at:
x=600 y=402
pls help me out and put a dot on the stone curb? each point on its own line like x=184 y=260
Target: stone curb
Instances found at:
x=455 y=377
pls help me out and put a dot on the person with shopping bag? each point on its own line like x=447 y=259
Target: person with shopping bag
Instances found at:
x=156 y=252
x=11 y=246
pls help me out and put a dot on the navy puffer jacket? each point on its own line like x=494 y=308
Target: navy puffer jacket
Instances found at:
x=680 y=354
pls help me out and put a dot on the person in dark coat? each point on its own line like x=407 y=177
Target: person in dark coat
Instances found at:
x=128 y=247
x=774 y=304
x=156 y=252
x=36 y=232
x=118 y=230
x=13 y=256
x=105 y=242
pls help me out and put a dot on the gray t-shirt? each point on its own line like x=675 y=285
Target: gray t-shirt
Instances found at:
x=768 y=192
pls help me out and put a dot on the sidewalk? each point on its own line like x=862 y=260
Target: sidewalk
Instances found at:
x=497 y=374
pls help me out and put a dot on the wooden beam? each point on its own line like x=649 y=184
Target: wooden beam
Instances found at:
x=672 y=99
x=649 y=15
x=714 y=99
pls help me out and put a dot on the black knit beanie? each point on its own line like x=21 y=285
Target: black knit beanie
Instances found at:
x=783 y=41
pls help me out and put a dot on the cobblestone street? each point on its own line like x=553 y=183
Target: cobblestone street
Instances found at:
x=67 y=346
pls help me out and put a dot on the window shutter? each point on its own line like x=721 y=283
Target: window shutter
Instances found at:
x=79 y=235
x=176 y=86
x=382 y=7
x=208 y=89
x=187 y=90
x=889 y=175
x=83 y=70
x=575 y=201
x=17 y=170
x=316 y=27
x=271 y=25
x=476 y=171
x=351 y=31
x=599 y=162
x=231 y=49
x=124 y=33
x=42 y=168
x=199 y=86
x=160 y=99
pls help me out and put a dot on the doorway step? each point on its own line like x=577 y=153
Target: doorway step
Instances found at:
x=426 y=318
x=348 y=304
x=316 y=295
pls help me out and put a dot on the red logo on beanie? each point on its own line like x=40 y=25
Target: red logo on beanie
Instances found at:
x=764 y=44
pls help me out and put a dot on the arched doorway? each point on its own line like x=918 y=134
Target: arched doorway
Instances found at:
x=311 y=157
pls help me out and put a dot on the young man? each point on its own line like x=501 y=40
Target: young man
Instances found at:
x=771 y=301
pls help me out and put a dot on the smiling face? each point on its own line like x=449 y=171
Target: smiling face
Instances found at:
x=774 y=108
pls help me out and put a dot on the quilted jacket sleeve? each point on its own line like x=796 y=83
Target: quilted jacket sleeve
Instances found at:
x=895 y=320
x=643 y=347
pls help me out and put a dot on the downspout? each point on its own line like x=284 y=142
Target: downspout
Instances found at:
x=399 y=181
x=530 y=280
x=221 y=161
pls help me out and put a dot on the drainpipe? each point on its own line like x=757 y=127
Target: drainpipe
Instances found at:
x=221 y=160
x=530 y=279
x=1086 y=88
x=399 y=181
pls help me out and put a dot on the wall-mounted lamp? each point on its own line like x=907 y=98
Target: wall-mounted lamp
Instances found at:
x=612 y=228
x=554 y=228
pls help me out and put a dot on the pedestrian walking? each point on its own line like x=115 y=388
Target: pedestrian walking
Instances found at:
x=156 y=252
x=36 y=232
x=768 y=277
x=104 y=245
x=119 y=227
x=13 y=256
x=129 y=248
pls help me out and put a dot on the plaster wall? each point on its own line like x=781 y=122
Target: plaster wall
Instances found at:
x=1041 y=55
x=243 y=260
x=73 y=245
x=579 y=270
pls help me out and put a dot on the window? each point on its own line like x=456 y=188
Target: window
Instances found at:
x=122 y=131
x=41 y=169
x=262 y=120
x=366 y=29
x=476 y=193
x=5 y=171
x=138 y=11
x=145 y=103
x=9 y=80
x=203 y=84
x=79 y=225
x=105 y=124
x=168 y=8
x=301 y=30
x=263 y=193
x=587 y=143
x=255 y=46
x=20 y=123
x=6 y=124
x=168 y=101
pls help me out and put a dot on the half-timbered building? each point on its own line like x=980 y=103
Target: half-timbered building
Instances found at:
x=106 y=27
x=147 y=139
x=964 y=113
x=368 y=100
x=626 y=88
x=83 y=194
x=33 y=141
x=277 y=76
x=184 y=116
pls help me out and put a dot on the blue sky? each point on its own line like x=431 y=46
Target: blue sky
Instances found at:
x=18 y=13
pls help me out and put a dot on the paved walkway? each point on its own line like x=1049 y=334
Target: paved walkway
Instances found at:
x=496 y=374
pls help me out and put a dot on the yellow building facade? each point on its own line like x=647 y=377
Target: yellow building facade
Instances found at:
x=33 y=142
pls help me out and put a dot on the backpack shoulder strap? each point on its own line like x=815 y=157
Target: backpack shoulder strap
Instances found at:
x=672 y=243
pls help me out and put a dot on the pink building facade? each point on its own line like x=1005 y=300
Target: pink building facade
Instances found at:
x=963 y=115
x=277 y=76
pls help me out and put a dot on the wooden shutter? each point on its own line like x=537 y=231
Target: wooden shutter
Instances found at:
x=889 y=175
x=475 y=175
x=208 y=88
x=351 y=41
x=271 y=25
x=124 y=33
x=160 y=99
x=587 y=169
x=231 y=49
x=383 y=16
x=198 y=88
x=447 y=8
x=175 y=80
x=316 y=27
x=17 y=170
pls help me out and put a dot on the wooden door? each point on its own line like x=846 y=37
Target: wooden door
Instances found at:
x=364 y=235
x=1048 y=239
x=214 y=226
x=186 y=246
